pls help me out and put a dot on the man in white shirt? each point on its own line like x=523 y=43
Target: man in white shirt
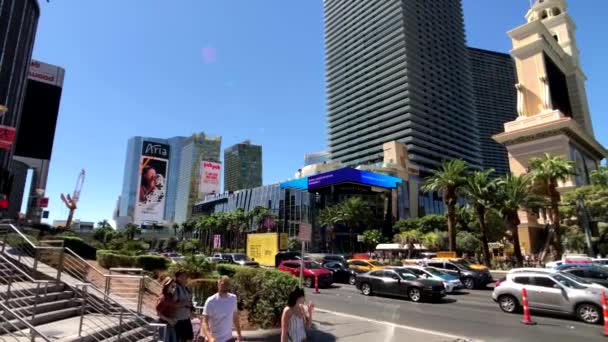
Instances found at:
x=220 y=314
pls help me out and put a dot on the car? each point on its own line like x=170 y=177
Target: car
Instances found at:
x=312 y=270
x=601 y=262
x=570 y=259
x=336 y=257
x=341 y=273
x=464 y=261
x=470 y=278
x=451 y=283
x=594 y=274
x=282 y=256
x=399 y=282
x=361 y=266
x=237 y=258
x=216 y=260
x=554 y=292
x=176 y=259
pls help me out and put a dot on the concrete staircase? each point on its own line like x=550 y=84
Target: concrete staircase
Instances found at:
x=35 y=306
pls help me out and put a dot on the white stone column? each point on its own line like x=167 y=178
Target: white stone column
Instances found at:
x=520 y=100
x=547 y=105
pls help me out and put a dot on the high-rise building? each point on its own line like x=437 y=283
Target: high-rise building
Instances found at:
x=242 y=166
x=150 y=181
x=18 y=23
x=199 y=173
x=494 y=80
x=399 y=70
x=316 y=158
x=34 y=143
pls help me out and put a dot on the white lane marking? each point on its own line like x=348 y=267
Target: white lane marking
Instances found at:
x=405 y=327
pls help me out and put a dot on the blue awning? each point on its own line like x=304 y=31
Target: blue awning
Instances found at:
x=344 y=175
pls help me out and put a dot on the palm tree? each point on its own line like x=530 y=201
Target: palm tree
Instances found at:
x=132 y=230
x=351 y=213
x=514 y=193
x=409 y=238
x=480 y=190
x=187 y=229
x=599 y=177
x=547 y=172
x=432 y=240
x=328 y=218
x=103 y=224
x=447 y=180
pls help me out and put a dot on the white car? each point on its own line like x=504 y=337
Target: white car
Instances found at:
x=450 y=282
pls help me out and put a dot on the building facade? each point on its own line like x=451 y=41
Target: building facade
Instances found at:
x=242 y=166
x=316 y=158
x=199 y=153
x=399 y=70
x=494 y=80
x=18 y=23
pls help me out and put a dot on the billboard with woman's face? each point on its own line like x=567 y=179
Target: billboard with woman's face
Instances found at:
x=152 y=190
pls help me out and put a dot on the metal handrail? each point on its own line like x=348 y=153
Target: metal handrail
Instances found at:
x=28 y=325
x=20 y=233
x=29 y=278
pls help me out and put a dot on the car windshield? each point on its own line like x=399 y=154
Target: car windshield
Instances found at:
x=312 y=265
x=461 y=265
x=567 y=282
x=574 y=278
x=434 y=271
x=375 y=263
x=405 y=274
x=240 y=257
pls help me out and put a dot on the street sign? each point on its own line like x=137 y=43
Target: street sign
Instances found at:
x=359 y=238
x=305 y=233
x=44 y=202
x=45 y=214
x=7 y=137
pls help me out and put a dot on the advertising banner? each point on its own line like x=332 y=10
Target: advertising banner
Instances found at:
x=44 y=202
x=209 y=179
x=152 y=190
x=46 y=73
x=7 y=137
x=263 y=248
x=217 y=241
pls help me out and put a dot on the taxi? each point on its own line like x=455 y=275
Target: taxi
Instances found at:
x=360 y=265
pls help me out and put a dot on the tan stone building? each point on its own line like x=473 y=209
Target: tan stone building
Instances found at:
x=553 y=111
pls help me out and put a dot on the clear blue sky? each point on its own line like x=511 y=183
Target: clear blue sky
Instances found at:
x=242 y=69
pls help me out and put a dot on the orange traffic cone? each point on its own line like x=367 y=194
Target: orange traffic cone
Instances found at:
x=317 y=284
x=527 y=319
x=605 y=308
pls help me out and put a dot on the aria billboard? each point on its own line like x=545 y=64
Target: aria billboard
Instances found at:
x=152 y=192
x=209 y=179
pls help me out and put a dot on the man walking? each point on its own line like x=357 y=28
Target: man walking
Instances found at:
x=220 y=314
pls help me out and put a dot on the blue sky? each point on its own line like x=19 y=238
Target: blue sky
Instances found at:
x=242 y=69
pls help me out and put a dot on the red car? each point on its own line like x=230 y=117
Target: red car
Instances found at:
x=311 y=270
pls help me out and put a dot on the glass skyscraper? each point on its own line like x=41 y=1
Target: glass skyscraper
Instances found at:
x=242 y=166
x=399 y=70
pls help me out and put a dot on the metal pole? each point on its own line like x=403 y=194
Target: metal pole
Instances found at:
x=36 y=297
x=36 y=256
x=120 y=324
x=585 y=222
x=140 y=298
x=60 y=267
x=302 y=264
x=82 y=309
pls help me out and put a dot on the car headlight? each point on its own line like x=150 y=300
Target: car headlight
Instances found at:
x=446 y=284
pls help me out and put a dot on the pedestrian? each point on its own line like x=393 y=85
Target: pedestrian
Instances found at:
x=166 y=308
x=183 y=296
x=221 y=314
x=296 y=319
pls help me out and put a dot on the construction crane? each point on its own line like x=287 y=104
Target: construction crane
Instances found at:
x=72 y=201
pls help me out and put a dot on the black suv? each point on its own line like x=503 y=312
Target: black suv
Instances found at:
x=335 y=257
x=470 y=278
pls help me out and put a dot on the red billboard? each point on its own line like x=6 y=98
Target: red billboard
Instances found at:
x=7 y=137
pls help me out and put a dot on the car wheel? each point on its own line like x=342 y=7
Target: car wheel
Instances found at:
x=508 y=304
x=352 y=280
x=308 y=282
x=366 y=289
x=589 y=313
x=469 y=283
x=415 y=294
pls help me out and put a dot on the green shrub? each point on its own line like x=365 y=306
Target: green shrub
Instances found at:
x=108 y=259
x=202 y=289
x=263 y=293
x=78 y=246
x=15 y=240
x=152 y=262
x=228 y=270
x=194 y=266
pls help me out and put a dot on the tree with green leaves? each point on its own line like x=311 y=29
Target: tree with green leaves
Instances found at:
x=425 y=224
x=547 y=172
x=434 y=241
x=468 y=242
x=131 y=231
x=480 y=191
x=104 y=234
x=599 y=177
x=262 y=219
x=448 y=180
x=514 y=193
x=103 y=224
x=353 y=212
x=409 y=238
x=187 y=229
x=371 y=238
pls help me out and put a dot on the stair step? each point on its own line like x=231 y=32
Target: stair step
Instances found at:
x=49 y=306
x=14 y=303
x=22 y=288
x=43 y=318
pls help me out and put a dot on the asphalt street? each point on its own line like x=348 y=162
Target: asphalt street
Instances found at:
x=470 y=314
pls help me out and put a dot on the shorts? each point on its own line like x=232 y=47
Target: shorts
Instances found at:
x=183 y=330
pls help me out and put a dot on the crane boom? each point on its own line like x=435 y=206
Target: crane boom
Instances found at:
x=72 y=201
x=78 y=188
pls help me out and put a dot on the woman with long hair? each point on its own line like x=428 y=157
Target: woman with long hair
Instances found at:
x=296 y=318
x=166 y=309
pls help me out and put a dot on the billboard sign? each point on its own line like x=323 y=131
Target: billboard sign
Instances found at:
x=44 y=202
x=217 y=241
x=348 y=174
x=305 y=233
x=209 y=178
x=46 y=73
x=152 y=191
x=7 y=137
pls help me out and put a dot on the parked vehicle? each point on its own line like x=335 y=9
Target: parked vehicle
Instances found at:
x=555 y=292
x=312 y=269
x=361 y=266
x=341 y=273
x=336 y=257
x=399 y=282
x=469 y=277
x=593 y=274
x=464 y=261
x=570 y=259
x=237 y=258
x=450 y=282
x=601 y=262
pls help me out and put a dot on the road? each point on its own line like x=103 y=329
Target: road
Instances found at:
x=470 y=314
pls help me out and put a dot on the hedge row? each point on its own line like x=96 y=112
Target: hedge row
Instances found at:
x=78 y=246
x=228 y=270
x=109 y=259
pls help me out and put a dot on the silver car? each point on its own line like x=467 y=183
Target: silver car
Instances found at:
x=555 y=292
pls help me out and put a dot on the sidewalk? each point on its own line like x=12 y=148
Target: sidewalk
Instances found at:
x=330 y=326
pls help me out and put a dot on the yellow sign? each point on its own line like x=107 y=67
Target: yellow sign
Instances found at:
x=446 y=255
x=263 y=247
x=283 y=242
